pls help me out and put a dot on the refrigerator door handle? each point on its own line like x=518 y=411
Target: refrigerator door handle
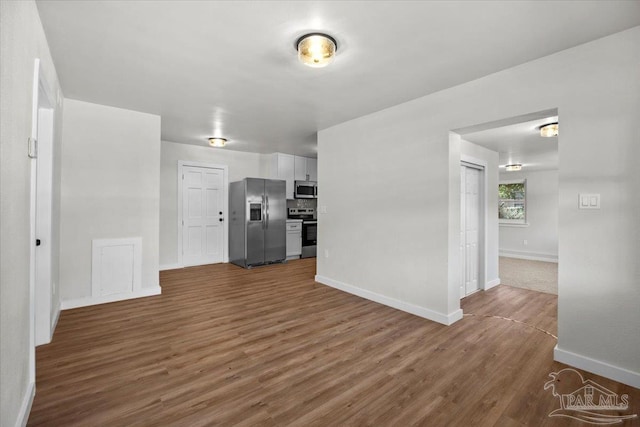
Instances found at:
x=263 y=212
x=267 y=211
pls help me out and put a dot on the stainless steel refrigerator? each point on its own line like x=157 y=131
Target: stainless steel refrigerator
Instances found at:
x=258 y=220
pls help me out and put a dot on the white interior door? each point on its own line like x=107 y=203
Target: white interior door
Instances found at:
x=203 y=215
x=44 y=305
x=470 y=228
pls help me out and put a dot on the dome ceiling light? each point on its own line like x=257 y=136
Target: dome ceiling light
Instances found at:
x=514 y=167
x=549 y=130
x=316 y=49
x=217 y=142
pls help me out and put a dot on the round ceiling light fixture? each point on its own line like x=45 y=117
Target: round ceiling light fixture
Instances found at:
x=316 y=49
x=217 y=142
x=549 y=130
x=514 y=167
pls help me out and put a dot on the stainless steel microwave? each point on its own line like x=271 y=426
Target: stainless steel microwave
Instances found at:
x=306 y=190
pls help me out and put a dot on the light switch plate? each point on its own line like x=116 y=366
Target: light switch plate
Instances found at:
x=589 y=201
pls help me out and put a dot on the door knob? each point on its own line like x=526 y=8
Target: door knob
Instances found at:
x=38 y=242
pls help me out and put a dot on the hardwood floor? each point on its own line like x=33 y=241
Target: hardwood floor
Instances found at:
x=269 y=346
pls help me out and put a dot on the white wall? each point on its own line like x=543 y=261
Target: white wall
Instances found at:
x=110 y=189
x=22 y=40
x=240 y=164
x=491 y=158
x=541 y=233
x=392 y=230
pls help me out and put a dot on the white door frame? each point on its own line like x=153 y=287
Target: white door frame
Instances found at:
x=225 y=185
x=40 y=214
x=466 y=160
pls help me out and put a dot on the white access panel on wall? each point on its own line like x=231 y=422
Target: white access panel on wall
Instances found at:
x=116 y=266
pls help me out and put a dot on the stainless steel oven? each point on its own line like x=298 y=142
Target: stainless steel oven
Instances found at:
x=309 y=229
x=305 y=190
x=309 y=233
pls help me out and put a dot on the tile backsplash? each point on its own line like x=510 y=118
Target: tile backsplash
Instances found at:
x=302 y=203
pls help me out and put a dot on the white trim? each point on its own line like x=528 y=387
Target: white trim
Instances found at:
x=445 y=319
x=25 y=408
x=32 y=226
x=225 y=185
x=492 y=284
x=87 y=301
x=54 y=321
x=170 y=267
x=597 y=367
x=532 y=256
x=513 y=222
x=513 y=181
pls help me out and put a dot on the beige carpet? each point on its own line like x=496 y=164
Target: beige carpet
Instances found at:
x=533 y=275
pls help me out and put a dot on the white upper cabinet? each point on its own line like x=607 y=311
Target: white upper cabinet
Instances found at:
x=283 y=167
x=293 y=168
x=301 y=168
x=306 y=169
x=312 y=169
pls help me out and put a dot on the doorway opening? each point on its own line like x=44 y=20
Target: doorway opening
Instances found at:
x=522 y=204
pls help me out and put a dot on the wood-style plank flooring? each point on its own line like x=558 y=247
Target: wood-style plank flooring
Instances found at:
x=271 y=347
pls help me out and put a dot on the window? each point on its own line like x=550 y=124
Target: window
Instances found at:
x=512 y=204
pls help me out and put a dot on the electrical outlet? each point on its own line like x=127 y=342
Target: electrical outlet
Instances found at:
x=524 y=242
x=326 y=253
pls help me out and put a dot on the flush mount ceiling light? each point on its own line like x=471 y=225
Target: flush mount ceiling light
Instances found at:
x=514 y=167
x=549 y=130
x=217 y=142
x=316 y=49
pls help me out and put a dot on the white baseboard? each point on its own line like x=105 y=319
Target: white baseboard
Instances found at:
x=84 y=302
x=597 y=367
x=56 y=316
x=169 y=267
x=532 y=256
x=445 y=319
x=25 y=408
x=492 y=284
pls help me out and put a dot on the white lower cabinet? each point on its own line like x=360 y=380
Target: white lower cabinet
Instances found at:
x=294 y=239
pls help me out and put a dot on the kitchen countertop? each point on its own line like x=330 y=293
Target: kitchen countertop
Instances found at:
x=294 y=220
